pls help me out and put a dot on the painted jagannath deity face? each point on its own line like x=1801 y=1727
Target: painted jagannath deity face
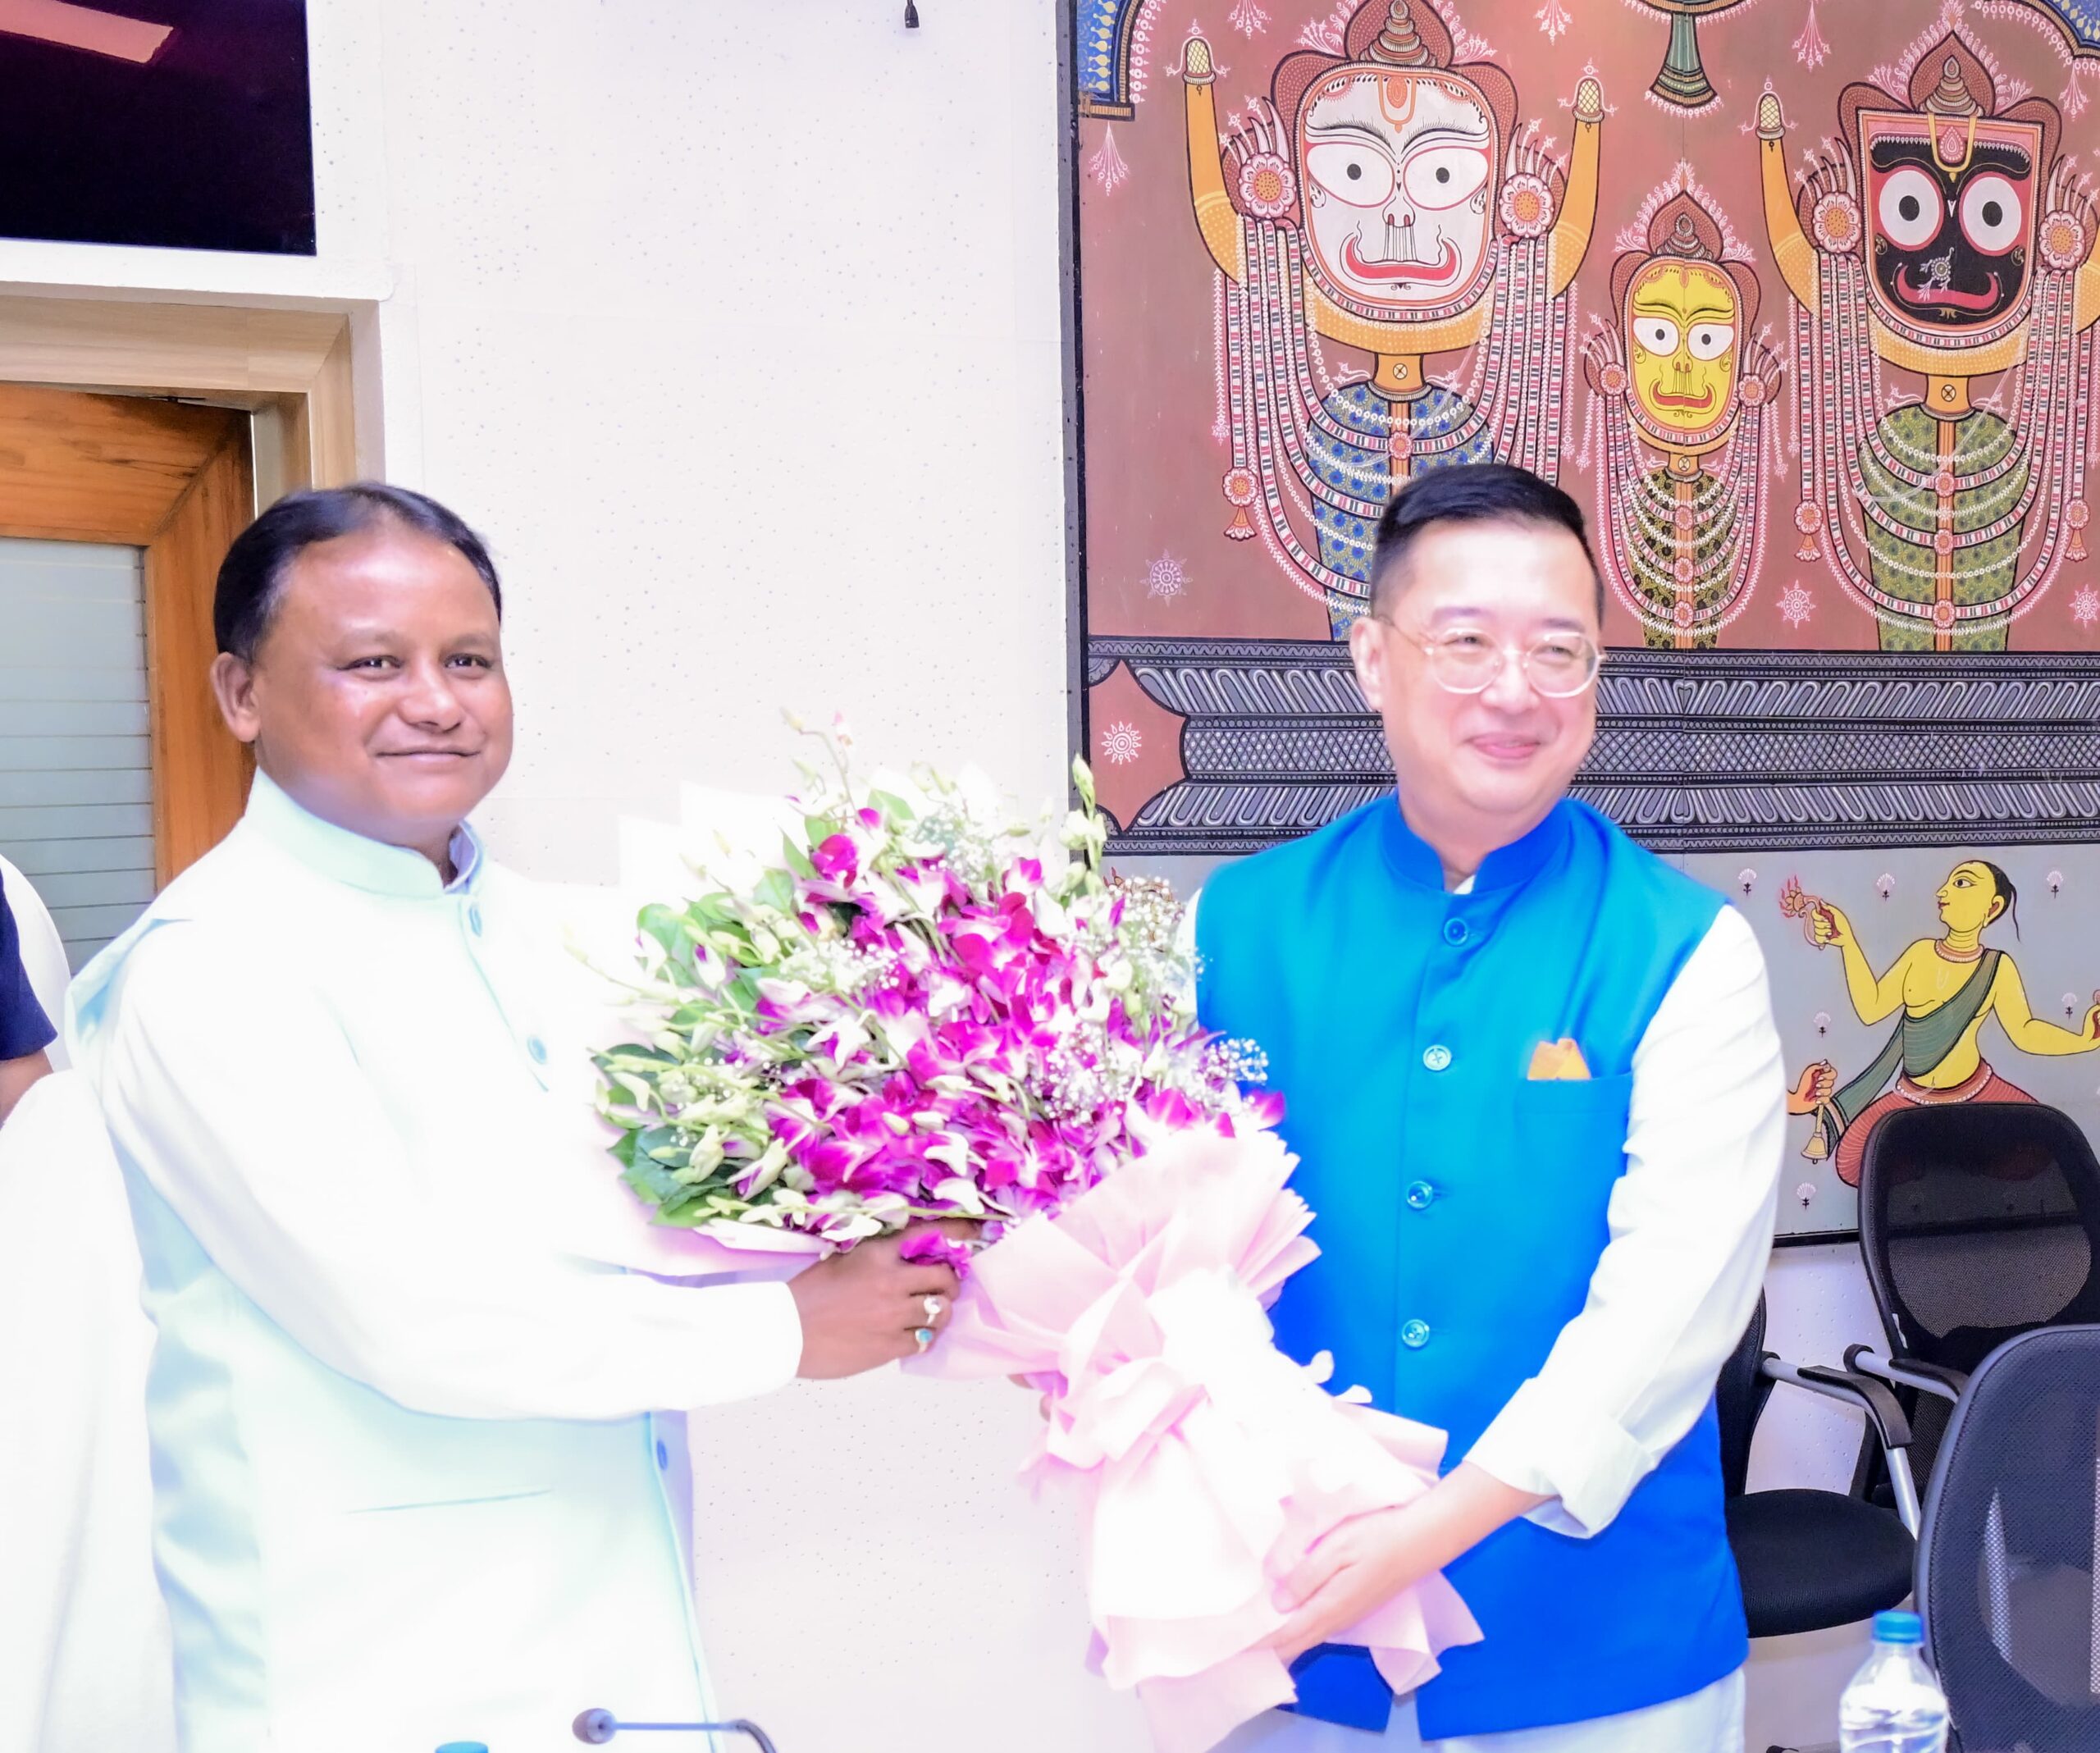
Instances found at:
x=1398 y=170
x=1682 y=320
x=1950 y=216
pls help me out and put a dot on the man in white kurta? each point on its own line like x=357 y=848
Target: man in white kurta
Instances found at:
x=413 y=1479
x=325 y=1073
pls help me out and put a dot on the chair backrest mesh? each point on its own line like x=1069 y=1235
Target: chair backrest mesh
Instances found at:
x=1739 y=1396
x=1979 y=1221
x=2006 y=1575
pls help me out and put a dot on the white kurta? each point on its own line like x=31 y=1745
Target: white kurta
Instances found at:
x=410 y=1482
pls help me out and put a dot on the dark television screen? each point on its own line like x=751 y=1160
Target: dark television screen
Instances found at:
x=181 y=123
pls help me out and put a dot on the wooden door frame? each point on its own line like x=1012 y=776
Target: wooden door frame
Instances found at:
x=290 y=371
x=290 y=368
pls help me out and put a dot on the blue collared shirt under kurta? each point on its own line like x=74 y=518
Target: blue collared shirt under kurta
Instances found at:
x=24 y=1028
x=1461 y=1208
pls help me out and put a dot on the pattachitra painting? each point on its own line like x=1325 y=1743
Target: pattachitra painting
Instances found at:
x=1796 y=297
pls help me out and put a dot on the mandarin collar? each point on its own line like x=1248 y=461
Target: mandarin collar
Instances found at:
x=1413 y=859
x=350 y=858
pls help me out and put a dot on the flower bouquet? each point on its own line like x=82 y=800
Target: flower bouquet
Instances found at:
x=918 y=1010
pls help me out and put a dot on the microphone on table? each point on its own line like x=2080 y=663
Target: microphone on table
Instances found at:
x=595 y=1727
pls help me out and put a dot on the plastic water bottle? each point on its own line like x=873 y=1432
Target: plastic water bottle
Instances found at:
x=1893 y=1703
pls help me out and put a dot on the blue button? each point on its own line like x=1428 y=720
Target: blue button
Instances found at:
x=1414 y=1335
x=1455 y=931
x=1438 y=1058
x=474 y=917
x=538 y=1049
x=1420 y=1195
x=663 y=1454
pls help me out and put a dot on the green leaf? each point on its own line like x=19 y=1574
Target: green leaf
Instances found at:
x=652 y=1140
x=669 y=930
x=687 y=1206
x=798 y=860
x=710 y=910
x=894 y=809
x=654 y=1183
x=731 y=941
x=776 y=888
x=628 y=1053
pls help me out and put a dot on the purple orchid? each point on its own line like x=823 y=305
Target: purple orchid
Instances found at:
x=937 y=1018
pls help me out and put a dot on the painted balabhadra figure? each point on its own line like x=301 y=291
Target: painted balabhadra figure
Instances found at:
x=1943 y=236
x=1680 y=440
x=1387 y=199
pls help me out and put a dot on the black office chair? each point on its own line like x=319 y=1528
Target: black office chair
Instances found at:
x=2006 y=1561
x=1809 y=1559
x=1979 y=1221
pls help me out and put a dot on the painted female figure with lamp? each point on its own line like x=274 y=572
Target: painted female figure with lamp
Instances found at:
x=1946 y=987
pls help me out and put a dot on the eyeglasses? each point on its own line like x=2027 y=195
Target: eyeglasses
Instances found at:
x=1465 y=661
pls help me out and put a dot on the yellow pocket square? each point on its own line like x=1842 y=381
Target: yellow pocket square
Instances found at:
x=1559 y=1060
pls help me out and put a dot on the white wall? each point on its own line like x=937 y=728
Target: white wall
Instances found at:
x=736 y=328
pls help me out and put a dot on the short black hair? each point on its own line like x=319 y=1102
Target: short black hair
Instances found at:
x=1472 y=493
x=251 y=576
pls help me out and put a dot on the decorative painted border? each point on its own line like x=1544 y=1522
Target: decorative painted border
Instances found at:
x=1102 y=33
x=1697 y=752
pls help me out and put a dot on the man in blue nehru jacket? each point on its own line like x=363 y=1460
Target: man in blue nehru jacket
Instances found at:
x=1532 y=1078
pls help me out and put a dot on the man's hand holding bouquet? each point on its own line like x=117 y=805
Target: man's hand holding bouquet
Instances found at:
x=919 y=1018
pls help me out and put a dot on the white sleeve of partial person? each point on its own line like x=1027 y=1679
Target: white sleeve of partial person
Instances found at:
x=1690 y=1224
x=238 y=1099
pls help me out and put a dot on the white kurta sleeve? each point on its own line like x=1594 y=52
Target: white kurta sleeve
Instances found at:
x=1690 y=1227
x=236 y=1096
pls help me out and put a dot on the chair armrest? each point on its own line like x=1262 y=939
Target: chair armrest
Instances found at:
x=1882 y=1411
x=1870 y=1396
x=1907 y=1373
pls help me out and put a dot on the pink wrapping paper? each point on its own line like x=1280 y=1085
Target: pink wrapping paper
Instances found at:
x=1207 y=1462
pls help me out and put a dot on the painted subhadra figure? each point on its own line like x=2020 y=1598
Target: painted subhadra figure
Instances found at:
x=1680 y=387
x=1943 y=236
x=1387 y=199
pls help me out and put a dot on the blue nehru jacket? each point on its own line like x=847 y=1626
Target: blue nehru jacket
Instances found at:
x=1460 y=1211
x=24 y=1028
